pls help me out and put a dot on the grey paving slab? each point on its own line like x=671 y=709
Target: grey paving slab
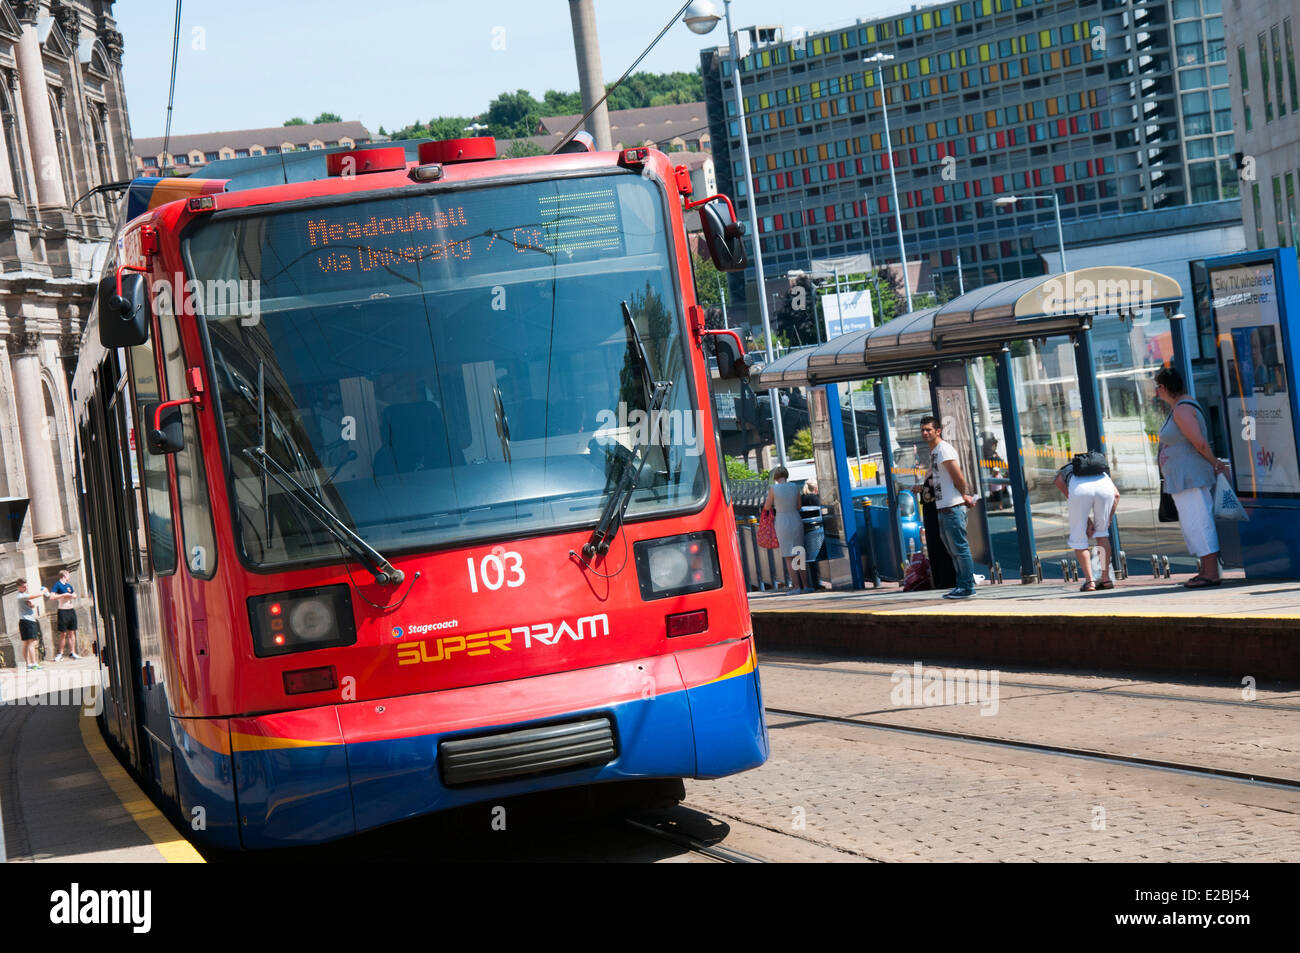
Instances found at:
x=55 y=804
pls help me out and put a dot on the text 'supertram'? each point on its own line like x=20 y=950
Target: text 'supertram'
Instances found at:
x=429 y=508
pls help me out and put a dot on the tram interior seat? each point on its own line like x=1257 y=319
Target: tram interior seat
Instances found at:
x=415 y=438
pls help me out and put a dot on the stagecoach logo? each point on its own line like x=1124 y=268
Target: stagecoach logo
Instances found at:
x=497 y=641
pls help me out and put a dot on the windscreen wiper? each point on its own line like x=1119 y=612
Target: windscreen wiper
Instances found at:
x=385 y=573
x=612 y=516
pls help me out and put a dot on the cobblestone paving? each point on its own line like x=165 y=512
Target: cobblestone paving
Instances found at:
x=1070 y=711
x=879 y=795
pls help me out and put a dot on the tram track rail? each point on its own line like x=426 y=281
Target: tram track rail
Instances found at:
x=1059 y=689
x=660 y=828
x=1203 y=771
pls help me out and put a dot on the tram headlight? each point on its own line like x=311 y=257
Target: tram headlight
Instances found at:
x=285 y=622
x=677 y=565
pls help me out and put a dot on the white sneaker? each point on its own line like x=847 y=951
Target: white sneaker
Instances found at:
x=59 y=657
x=75 y=655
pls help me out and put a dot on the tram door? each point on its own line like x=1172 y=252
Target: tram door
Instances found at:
x=106 y=459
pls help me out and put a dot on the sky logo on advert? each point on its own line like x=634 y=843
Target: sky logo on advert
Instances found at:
x=1264 y=459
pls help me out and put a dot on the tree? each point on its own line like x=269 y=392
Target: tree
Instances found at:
x=801 y=447
x=707 y=281
x=295 y=121
x=514 y=115
x=561 y=104
x=739 y=470
x=381 y=131
x=890 y=301
x=328 y=117
x=796 y=315
x=522 y=147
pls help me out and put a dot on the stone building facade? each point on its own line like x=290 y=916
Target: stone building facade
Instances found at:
x=63 y=131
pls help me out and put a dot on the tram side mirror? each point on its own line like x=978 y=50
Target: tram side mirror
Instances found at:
x=124 y=318
x=724 y=236
x=170 y=437
x=731 y=363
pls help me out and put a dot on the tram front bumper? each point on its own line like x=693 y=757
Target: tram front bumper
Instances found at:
x=320 y=774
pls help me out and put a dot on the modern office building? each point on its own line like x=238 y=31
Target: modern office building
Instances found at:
x=1260 y=40
x=1116 y=107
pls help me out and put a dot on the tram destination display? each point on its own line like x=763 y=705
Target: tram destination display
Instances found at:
x=1255 y=385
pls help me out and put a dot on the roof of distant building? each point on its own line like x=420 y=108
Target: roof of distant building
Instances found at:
x=652 y=123
x=243 y=138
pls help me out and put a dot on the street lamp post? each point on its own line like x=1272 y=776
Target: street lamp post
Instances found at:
x=879 y=59
x=1010 y=200
x=702 y=17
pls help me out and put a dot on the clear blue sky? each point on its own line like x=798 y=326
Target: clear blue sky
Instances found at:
x=253 y=63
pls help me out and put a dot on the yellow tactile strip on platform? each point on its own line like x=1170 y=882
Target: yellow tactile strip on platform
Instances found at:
x=174 y=848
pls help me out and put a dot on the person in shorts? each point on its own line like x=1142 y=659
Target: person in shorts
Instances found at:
x=1092 y=500
x=66 y=640
x=29 y=626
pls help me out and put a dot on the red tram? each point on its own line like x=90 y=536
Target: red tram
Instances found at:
x=430 y=508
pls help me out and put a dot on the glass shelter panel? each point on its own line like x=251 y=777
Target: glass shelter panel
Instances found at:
x=1126 y=355
x=1051 y=429
x=993 y=444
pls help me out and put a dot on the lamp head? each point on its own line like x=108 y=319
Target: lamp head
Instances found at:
x=701 y=17
x=1006 y=200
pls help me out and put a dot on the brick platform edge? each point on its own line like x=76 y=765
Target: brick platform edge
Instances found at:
x=1267 y=649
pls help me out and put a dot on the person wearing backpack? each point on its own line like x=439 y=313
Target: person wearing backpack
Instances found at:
x=1093 y=496
x=1189 y=469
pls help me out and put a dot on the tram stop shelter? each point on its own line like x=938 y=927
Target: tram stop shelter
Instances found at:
x=1031 y=370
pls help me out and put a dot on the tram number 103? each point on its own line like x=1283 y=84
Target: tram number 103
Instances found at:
x=492 y=571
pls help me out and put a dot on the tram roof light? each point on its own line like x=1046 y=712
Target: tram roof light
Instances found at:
x=635 y=157
x=201 y=203
x=429 y=172
x=448 y=151
x=363 y=161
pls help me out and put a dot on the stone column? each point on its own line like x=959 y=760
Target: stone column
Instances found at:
x=38 y=461
x=36 y=106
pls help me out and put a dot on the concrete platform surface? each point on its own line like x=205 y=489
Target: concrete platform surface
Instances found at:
x=1237 y=629
x=63 y=796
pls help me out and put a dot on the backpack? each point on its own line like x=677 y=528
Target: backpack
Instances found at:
x=1092 y=463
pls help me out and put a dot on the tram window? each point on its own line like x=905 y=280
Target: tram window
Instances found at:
x=200 y=550
x=123 y=488
x=162 y=540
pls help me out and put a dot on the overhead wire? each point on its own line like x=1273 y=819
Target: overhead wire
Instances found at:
x=171 y=92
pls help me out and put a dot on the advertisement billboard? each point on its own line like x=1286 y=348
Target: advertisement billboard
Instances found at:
x=1252 y=366
x=847 y=311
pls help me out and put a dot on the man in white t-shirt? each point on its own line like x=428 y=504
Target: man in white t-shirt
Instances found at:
x=950 y=499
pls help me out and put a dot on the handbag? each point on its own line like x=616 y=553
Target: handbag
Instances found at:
x=767 y=530
x=1168 y=512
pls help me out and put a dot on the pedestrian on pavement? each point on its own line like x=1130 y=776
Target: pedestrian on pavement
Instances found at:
x=1093 y=496
x=951 y=499
x=783 y=499
x=66 y=640
x=1190 y=470
x=29 y=627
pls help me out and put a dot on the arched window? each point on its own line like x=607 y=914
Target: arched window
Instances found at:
x=62 y=146
x=12 y=143
x=56 y=449
x=102 y=166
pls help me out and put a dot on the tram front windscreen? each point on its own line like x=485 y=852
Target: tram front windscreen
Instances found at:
x=449 y=366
